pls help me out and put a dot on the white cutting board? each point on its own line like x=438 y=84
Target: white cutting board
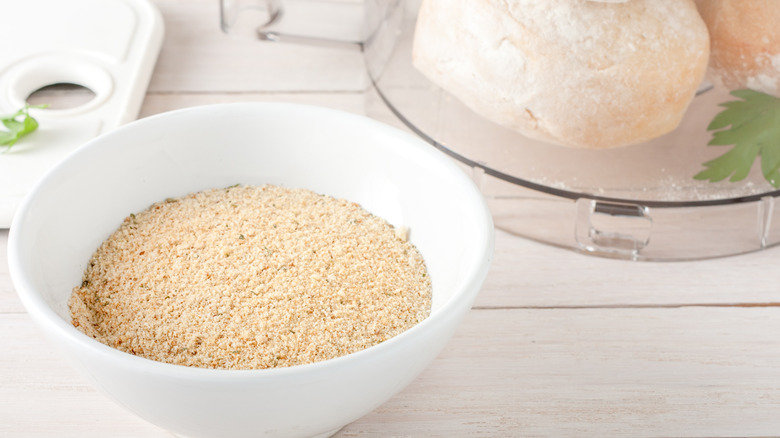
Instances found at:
x=108 y=46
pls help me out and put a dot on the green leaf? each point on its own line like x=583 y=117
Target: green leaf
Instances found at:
x=752 y=127
x=735 y=163
x=30 y=125
x=770 y=165
x=7 y=138
x=18 y=125
x=13 y=125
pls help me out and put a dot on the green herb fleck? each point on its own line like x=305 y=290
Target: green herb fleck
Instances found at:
x=752 y=126
x=17 y=126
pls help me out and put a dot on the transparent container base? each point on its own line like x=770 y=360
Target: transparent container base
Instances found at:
x=625 y=228
x=638 y=202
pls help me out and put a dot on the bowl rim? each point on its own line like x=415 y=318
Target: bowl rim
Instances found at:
x=37 y=307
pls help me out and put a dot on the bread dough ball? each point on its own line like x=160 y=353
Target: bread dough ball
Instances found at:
x=574 y=72
x=745 y=43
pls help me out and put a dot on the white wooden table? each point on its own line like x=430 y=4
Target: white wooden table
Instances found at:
x=558 y=343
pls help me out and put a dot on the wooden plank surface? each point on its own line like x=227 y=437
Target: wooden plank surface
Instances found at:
x=692 y=371
x=596 y=372
x=527 y=274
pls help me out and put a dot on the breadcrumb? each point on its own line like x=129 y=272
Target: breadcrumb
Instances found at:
x=251 y=277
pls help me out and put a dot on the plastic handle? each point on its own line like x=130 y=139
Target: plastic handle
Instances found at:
x=309 y=22
x=613 y=229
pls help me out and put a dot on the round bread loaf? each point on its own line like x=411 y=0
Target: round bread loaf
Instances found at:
x=573 y=72
x=745 y=43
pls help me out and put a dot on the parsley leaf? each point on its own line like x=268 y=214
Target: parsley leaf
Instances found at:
x=17 y=126
x=752 y=126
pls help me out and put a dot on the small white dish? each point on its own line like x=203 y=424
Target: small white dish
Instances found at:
x=391 y=173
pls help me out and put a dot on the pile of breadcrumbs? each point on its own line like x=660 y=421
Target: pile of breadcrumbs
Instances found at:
x=251 y=277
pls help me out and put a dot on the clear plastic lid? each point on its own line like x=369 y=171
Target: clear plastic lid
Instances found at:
x=636 y=202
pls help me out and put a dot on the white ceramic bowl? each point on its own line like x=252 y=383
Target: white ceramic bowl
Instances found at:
x=391 y=173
